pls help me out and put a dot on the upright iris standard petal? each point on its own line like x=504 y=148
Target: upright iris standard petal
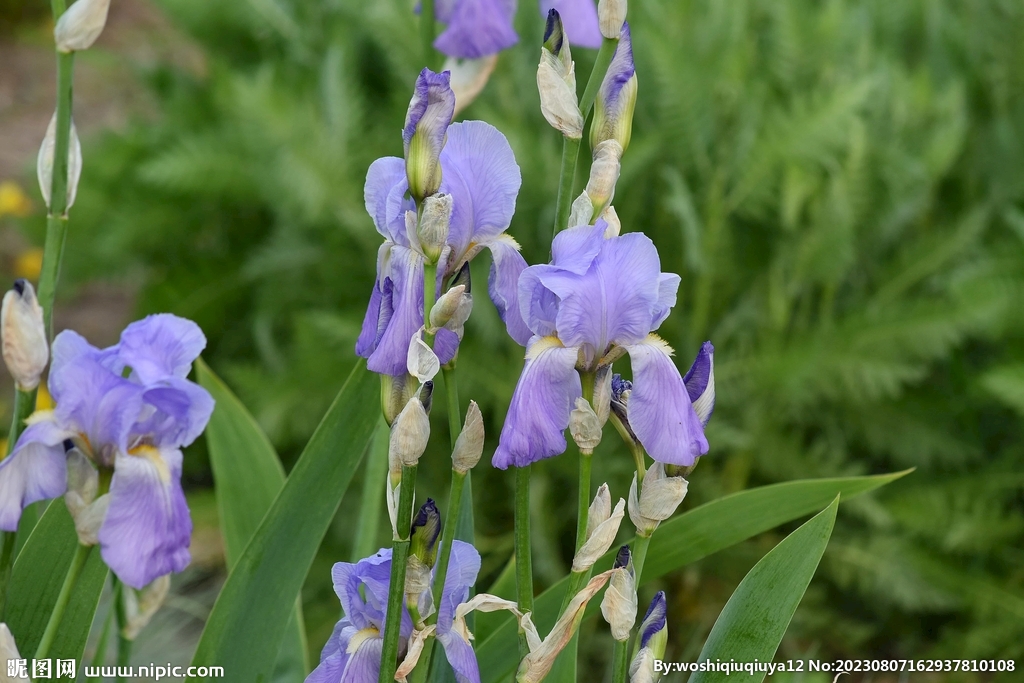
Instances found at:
x=463 y=568
x=161 y=346
x=579 y=19
x=659 y=409
x=506 y=266
x=476 y=28
x=34 y=471
x=535 y=426
x=700 y=383
x=426 y=125
x=147 y=530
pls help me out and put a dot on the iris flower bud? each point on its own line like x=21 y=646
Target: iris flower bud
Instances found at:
x=86 y=510
x=470 y=444
x=604 y=173
x=611 y=14
x=434 y=223
x=44 y=163
x=452 y=310
x=585 y=427
x=651 y=642
x=23 y=335
x=395 y=392
x=140 y=606
x=426 y=529
x=80 y=26
x=409 y=434
x=582 y=210
x=658 y=499
x=619 y=603
x=602 y=526
x=556 y=81
x=426 y=129
x=613 y=109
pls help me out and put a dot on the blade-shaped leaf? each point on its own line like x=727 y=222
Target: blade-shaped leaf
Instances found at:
x=250 y=617
x=757 y=615
x=37 y=579
x=688 y=538
x=247 y=476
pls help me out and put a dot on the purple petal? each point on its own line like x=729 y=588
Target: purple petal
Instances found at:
x=506 y=266
x=35 y=470
x=579 y=19
x=700 y=383
x=655 y=620
x=461 y=656
x=160 y=346
x=481 y=175
x=668 y=286
x=446 y=345
x=538 y=305
x=477 y=28
x=372 y=329
x=406 y=274
x=147 y=530
x=430 y=113
x=363 y=665
x=333 y=657
x=385 y=197
x=363 y=590
x=576 y=248
x=659 y=409
x=539 y=413
x=183 y=409
x=619 y=72
x=463 y=568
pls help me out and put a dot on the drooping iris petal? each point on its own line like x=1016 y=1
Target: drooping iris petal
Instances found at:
x=700 y=383
x=390 y=354
x=371 y=330
x=503 y=284
x=579 y=20
x=463 y=568
x=333 y=657
x=539 y=412
x=147 y=530
x=160 y=346
x=476 y=28
x=364 y=663
x=385 y=197
x=483 y=178
x=538 y=305
x=659 y=409
x=668 y=286
x=183 y=410
x=35 y=470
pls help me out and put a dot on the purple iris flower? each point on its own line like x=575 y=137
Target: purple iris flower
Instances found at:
x=598 y=298
x=476 y=28
x=579 y=20
x=480 y=173
x=128 y=408
x=353 y=652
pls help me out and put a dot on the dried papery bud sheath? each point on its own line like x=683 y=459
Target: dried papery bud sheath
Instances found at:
x=86 y=510
x=421 y=360
x=23 y=335
x=585 y=427
x=612 y=219
x=140 y=606
x=616 y=99
x=80 y=26
x=556 y=81
x=435 y=220
x=426 y=529
x=619 y=603
x=452 y=310
x=582 y=210
x=409 y=434
x=395 y=392
x=426 y=128
x=604 y=173
x=602 y=527
x=470 y=444
x=611 y=14
x=603 y=393
x=657 y=500
x=44 y=163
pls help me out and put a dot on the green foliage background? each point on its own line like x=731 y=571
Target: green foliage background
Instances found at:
x=840 y=184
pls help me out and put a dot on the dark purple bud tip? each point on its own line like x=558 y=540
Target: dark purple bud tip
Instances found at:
x=655 y=620
x=623 y=558
x=554 y=36
x=427 y=395
x=464 y=278
x=68 y=445
x=426 y=529
x=619 y=386
x=19 y=286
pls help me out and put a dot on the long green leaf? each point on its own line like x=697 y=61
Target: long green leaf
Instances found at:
x=36 y=581
x=247 y=476
x=688 y=538
x=250 y=617
x=752 y=624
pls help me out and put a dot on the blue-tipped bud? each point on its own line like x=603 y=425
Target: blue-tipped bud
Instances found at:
x=426 y=129
x=556 y=81
x=613 y=109
x=426 y=529
x=654 y=628
x=554 y=34
x=624 y=558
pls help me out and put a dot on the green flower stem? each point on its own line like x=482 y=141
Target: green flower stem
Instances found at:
x=396 y=590
x=9 y=538
x=570 y=146
x=620 y=655
x=451 y=397
x=370 y=501
x=427 y=30
x=524 y=561
x=74 y=571
x=124 y=645
x=100 y=656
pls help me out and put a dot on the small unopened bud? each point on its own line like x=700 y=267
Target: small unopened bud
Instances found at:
x=8 y=648
x=582 y=210
x=426 y=128
x=556 y=81
x=469 y=76
x=602 y=527
x=421 y=360
x=140 y=606
x=585 y=427
x=616 y=99
x=80 y=26
x=657 y=500
x=612 y=219
x=604 y=173
x=435 y=221
x=44 y=163
x=603 y=393
x=611 y=14
x=452 y=310
x=409 y=434
x=395 y=392
x=426 y=529
x=619 y=603
x=23 y=335
x=470 y=444
x=87 y=511
x=654 y=628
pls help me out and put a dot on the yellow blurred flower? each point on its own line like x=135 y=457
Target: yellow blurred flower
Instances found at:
x=43 y=399
x=13 y=200
x=3 y=448
x=29 y=264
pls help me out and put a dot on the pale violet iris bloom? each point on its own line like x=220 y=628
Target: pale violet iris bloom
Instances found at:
x=579 y=21
x=599 y=298
x=475 y=28
x=479 y=171
x=353 y=652
x=129 y=409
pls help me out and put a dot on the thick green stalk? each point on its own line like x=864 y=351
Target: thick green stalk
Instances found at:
x=620 y=655
x=571 y=147
x=100 y=657
x=396 y=589
x=124 y=645
x=74 y=571
x=427 y=30
x=6 y=563
x=372 y=497
x=524 y=561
